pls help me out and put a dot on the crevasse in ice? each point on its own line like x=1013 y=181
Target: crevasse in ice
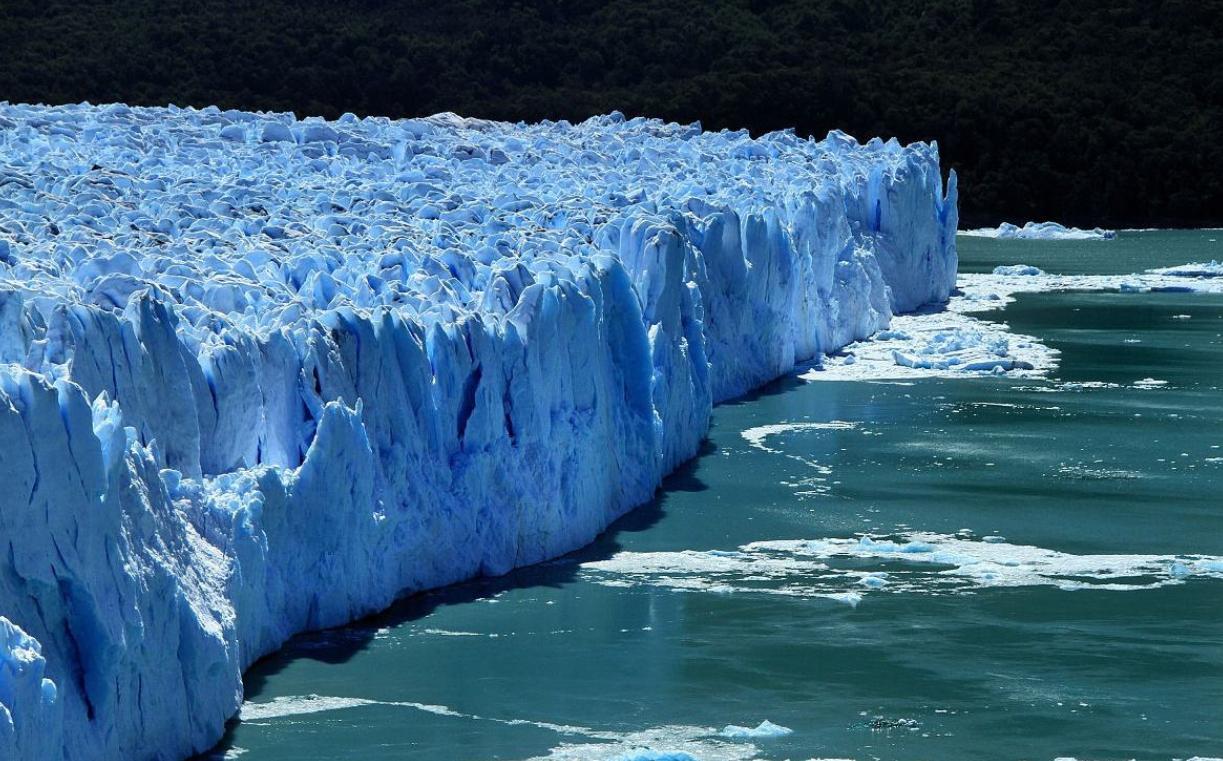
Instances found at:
x=262 y=375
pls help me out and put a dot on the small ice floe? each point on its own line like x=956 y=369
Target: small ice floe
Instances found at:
x=892 y=335
x=884 y=724
x=763 y=730
x=874 y=580
x=1024 y=270
x=665 y=743
x=226 y=754
x=903 y=563
x=1193 y=269
x=846 y=598
x=984 y=292
x=1087 y=473
x=1150 y=383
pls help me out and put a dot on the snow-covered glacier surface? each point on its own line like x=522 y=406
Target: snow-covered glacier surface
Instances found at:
x=262 y=375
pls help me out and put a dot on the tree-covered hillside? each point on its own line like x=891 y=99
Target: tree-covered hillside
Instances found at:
x=1082 y=111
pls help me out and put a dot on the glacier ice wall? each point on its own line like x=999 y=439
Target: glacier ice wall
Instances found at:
x=262 y=375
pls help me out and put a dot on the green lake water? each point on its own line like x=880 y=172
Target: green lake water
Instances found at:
x=1049 y=639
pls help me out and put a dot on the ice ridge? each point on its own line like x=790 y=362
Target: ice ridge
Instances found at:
x=260 y=375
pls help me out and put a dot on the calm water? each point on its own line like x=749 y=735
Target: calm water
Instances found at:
x=938 y=661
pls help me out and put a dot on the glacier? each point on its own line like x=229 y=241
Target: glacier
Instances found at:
x=262 y=374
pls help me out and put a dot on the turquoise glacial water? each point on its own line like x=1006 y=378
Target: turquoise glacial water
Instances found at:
x=1131 y=251
x=1050 y=639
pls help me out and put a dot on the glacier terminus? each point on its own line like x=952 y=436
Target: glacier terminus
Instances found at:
x=261 y=375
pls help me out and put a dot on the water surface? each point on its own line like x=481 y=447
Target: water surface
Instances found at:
x=1088 y=624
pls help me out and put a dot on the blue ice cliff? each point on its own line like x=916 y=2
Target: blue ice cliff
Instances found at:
x=261 y=375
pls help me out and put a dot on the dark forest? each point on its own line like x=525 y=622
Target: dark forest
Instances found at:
x=1107 y=113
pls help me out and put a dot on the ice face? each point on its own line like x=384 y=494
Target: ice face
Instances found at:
x=263 y=375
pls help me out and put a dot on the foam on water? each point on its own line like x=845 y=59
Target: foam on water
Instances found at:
x=756 y=436
x=283 y=707
x=670 y=741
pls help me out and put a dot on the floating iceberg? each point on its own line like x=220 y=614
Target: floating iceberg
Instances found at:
x=262 y=375
x=1040 y=231
x=1018 y=269
x=1195 y=269
x=766 y=729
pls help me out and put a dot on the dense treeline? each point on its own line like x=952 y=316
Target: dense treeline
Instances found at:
x=1083 y=111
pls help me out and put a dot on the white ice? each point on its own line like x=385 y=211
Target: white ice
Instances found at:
x=952 y=342
x=764 y=730
x=981 y=292
x=1040 y=231
x=1211 y=268
x=1018 y=269
x=940 y=344
x=585 y=743
x=758 y=435
x=261 y=375
x=905 y=563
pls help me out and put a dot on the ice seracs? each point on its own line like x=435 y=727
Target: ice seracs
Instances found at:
x=262 y=374
x=29 y=712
